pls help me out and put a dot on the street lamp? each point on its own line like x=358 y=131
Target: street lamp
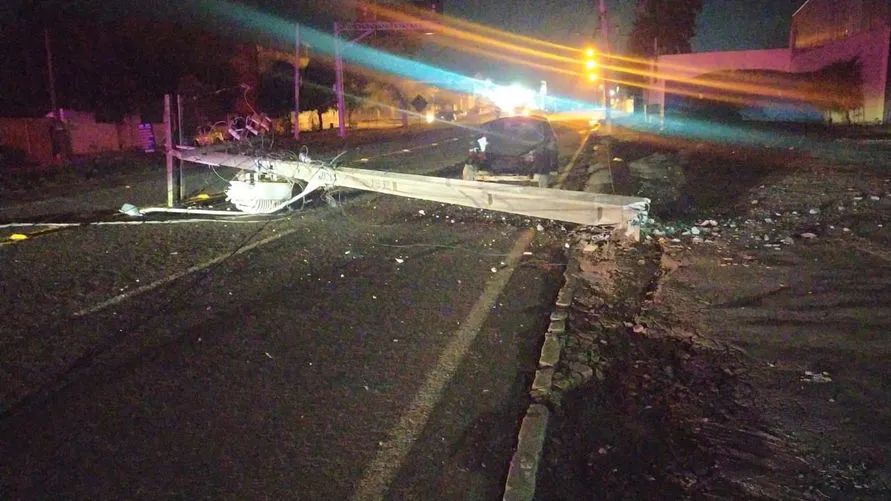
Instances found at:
x=592 y=67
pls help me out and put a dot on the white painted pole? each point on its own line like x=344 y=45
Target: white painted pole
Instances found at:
x=297 y=81
x=338 y=69
x=52 y=75
x=179 y=164
x=172 y=192
x=604 y=34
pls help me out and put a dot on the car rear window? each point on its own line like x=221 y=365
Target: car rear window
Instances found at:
x=524 y=130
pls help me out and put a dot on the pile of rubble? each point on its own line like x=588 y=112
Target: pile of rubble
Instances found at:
x=788 y=210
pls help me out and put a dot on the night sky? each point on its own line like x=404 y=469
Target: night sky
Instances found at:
x=723 y=24
x=744 y=24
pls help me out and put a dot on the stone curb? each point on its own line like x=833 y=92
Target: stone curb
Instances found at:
x=520 y=485
x=523 y=472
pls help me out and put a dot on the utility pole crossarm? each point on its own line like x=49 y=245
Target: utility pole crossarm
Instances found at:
x=365 y=29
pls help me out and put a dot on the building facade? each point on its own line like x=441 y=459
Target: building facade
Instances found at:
x=822 y=32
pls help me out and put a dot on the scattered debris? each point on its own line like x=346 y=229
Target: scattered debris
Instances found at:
x=815 y=377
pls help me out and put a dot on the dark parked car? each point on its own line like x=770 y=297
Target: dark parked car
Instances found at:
x=446 y=115
x=519 y=145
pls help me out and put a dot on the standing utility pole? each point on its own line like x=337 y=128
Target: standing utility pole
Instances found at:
x=604 y=34
x=297 y=82
x=338 y=82
x=52 y=76
x=656 y=81
x=174 y=197
x=179 y=163
x=364 y=30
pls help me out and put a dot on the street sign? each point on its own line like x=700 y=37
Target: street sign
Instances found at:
x=419 y=103
x=147 y=137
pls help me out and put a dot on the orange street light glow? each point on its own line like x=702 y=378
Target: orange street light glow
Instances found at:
x=402 y=16
x=500 y=56
x=476 y=39
x=543 y=55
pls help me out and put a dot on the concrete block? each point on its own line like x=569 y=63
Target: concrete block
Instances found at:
x=523 y=472
x=557 y=327
x=559 y=315
x=550 y=352
x=541 y=385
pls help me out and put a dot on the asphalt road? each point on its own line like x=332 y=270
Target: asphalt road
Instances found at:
x=378 y=349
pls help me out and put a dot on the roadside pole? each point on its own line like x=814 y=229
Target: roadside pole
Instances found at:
x=604 y=42
x=179 y=163
x=173 y=195
x=338 y=83
x=297 y=81
x=364 y=29
x=606 y=143
x=52 y=75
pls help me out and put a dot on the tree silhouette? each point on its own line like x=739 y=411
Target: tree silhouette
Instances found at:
x=277 y=89
x=112 y=67
x=355 y=90
x=317 y=87
x=663 y=27
x=838 y=87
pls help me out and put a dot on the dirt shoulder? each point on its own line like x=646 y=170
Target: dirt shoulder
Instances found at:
x=741 y=351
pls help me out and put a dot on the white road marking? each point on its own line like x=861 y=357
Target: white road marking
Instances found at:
x=166 y=280
x=158 y=283
x=392 y=453
x=400 y=152
x=154 y=285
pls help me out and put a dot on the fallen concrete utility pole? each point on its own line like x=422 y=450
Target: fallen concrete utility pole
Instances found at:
x=596 y=209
